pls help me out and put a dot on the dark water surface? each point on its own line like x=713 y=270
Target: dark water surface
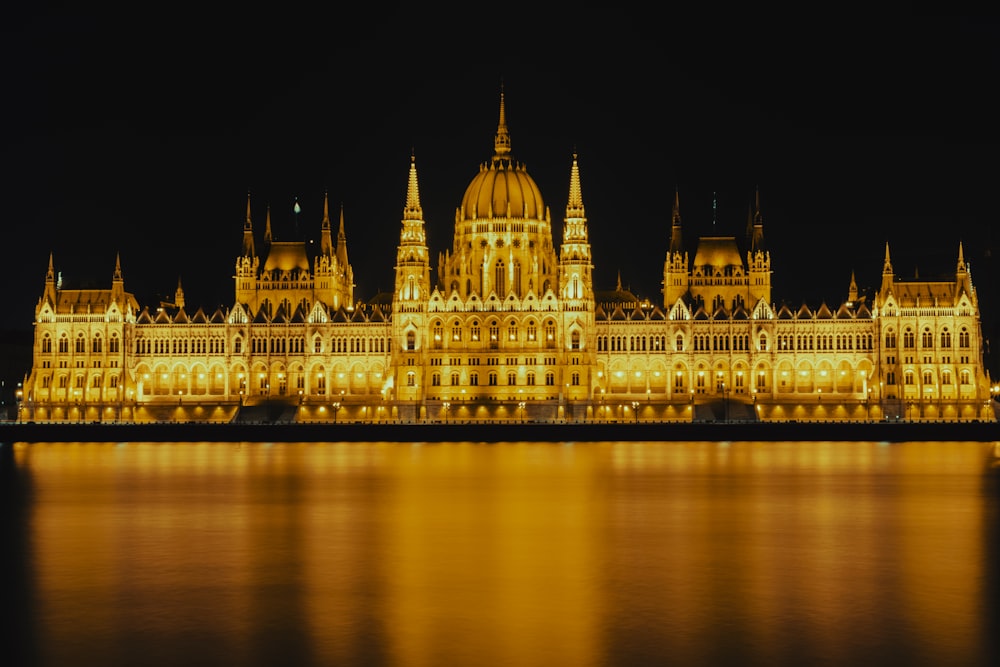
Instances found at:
x=701 y=553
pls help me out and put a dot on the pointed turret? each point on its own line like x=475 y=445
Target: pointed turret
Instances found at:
x=325 y=234
x=413 y=232
x=576 y=220
x=675 y=268
x=248 y=245
x=179 y=294
x=757 y=226
x=676 y=241
x=342 y=241
x=888 y=276
x=758 y=257
x=963 y=277
x=412 y=264
x=852 y=291
x=118 y=283
x=49 y=294
x=268 y=236
x=248 y=262
x=501 y=143
x=574 y=255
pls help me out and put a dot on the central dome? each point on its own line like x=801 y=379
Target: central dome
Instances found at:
x=502 y=188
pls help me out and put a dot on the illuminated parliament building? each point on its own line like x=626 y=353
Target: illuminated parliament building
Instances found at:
x=511 y=327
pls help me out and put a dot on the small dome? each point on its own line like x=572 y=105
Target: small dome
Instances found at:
x=286 y=256
x=502 y=189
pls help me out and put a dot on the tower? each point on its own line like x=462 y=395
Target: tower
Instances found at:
x=412 y=290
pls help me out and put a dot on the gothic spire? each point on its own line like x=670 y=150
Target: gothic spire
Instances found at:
x=267 y=226
x=676 y=241
x=325 y=234
x=757 y=229
x=575 y=230
x=117 y=277
x=342 y=241
x=248 y=245
x=413 y=215
x=413 y=191
x=501 y=144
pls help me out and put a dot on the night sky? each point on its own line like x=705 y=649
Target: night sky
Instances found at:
x=142 y=134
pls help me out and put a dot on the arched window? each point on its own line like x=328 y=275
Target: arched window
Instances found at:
x=500 y=278
x=945 y=338
x=926 y=338
x=411 y=340
x=575 y=340
x=963 y=339
x=46 y=344
x=437 y=334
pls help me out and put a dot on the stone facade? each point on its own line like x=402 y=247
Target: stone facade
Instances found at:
x=511 y=329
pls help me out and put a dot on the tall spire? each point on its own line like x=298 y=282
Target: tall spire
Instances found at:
x=413 y=274
x=887 y=264
x=961 y=258
x=501 y=144
x=248 y=245
x=757 y=225
x=342 y=240
x=267 y=226
x=413 y=214
x=179 y=294
x=676 y=240
x=325 y=234
x=117 y=277
x=575 y=230
x=413 y=189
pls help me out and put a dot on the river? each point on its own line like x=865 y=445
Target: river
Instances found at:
x=555 y=554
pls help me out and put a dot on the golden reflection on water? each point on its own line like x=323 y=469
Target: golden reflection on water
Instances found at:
x=510 y=554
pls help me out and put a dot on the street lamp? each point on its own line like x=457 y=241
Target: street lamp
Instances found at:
x=336 y=409
x=520 y=407
x=446 y=405
x=19 y=396
x=635 y=410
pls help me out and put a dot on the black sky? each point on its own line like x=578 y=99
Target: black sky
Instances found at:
x=142 y=134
